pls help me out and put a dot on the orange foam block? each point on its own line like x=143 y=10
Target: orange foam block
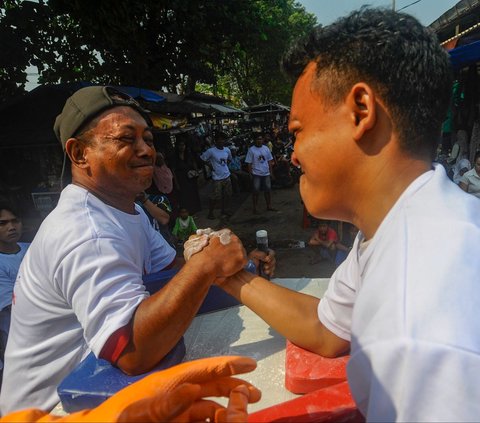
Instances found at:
x=307 y=372
x=331 y=404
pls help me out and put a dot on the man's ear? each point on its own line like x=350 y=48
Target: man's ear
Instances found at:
x=362 y=103
x=75 y=150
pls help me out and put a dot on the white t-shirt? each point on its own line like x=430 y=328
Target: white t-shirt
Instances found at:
x=461 y=164
x=9 y=264
x=472 y=181
x=409 y=301
x=79 y=282
x=219 y=160
x=259 y=157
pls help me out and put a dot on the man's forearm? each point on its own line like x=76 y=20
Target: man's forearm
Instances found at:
x=291 y=313
x=161 y=320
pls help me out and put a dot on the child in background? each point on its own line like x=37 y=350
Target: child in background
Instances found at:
x=184 y=226
x=324 y=242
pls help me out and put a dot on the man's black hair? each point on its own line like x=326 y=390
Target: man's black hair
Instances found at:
x=397 y=56
x=4 y=205
x=220 y=135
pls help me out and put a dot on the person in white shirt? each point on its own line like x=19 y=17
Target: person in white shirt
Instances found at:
x=470 y=181
x=218 y=158
x=460 y=168
x=11 y=255
x=79 y=287
x=372 y=90
x=260 y=161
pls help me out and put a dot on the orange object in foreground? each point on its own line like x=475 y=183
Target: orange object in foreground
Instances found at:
x=331 y=404
x=174 y=394
x=306 y=371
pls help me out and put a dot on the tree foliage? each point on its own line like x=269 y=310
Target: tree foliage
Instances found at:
x=234 y=46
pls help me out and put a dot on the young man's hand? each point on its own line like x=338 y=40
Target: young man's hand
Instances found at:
x=269 y=261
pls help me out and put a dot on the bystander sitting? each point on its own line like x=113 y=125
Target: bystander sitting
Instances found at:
x=460 y=168
x=470 y=181
x=323 y=241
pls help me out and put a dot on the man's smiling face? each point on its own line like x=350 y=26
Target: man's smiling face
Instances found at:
x=121 y=155
x=322 y=146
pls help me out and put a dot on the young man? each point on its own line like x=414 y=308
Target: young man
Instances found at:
x=371 y=94
x=11 y=255
x=79 y=288
x=218 y=158
x=260 y=162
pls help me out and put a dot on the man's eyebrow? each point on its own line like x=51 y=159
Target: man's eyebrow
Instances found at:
x=133 y=127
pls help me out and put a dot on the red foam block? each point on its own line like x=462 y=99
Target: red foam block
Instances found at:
x=331 y=404
x=307 y=372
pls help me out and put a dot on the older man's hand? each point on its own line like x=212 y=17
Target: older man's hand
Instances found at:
x=221 y=251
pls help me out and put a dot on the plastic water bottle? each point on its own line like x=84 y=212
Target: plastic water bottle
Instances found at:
x=262 y=245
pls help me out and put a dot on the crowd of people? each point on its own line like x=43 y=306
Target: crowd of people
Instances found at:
x=403 y=302
x=231 y=162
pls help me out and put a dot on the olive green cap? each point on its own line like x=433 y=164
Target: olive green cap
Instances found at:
x=88 y=102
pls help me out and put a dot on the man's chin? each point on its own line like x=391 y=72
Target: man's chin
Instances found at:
x=313 y=202
x=14 y=238
x=145 y=182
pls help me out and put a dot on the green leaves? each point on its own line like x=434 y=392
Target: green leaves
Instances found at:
x=235 y=46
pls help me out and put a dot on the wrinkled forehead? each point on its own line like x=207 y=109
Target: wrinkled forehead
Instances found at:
x=118 y=117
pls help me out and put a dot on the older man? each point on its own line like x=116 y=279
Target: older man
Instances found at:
x=80 y=288
x=371 y=94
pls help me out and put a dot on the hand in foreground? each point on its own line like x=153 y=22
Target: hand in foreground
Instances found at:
x=173 y=395
x=221 y=250
x=269 y=261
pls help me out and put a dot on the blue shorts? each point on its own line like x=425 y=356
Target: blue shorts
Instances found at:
x=261 y=183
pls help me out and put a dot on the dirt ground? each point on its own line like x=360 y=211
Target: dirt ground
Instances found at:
x=284 y=227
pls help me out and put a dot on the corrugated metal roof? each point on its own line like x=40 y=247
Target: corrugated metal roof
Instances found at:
x=454 y=14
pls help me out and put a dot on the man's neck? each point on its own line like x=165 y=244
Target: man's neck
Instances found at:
x=9 y=247
x=122 y=203
x=374 y=206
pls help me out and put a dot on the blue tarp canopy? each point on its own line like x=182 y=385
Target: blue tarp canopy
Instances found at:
x=143 y=93
x=463 y=56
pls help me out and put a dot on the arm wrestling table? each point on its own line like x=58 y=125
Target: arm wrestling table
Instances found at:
x=239 y=331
